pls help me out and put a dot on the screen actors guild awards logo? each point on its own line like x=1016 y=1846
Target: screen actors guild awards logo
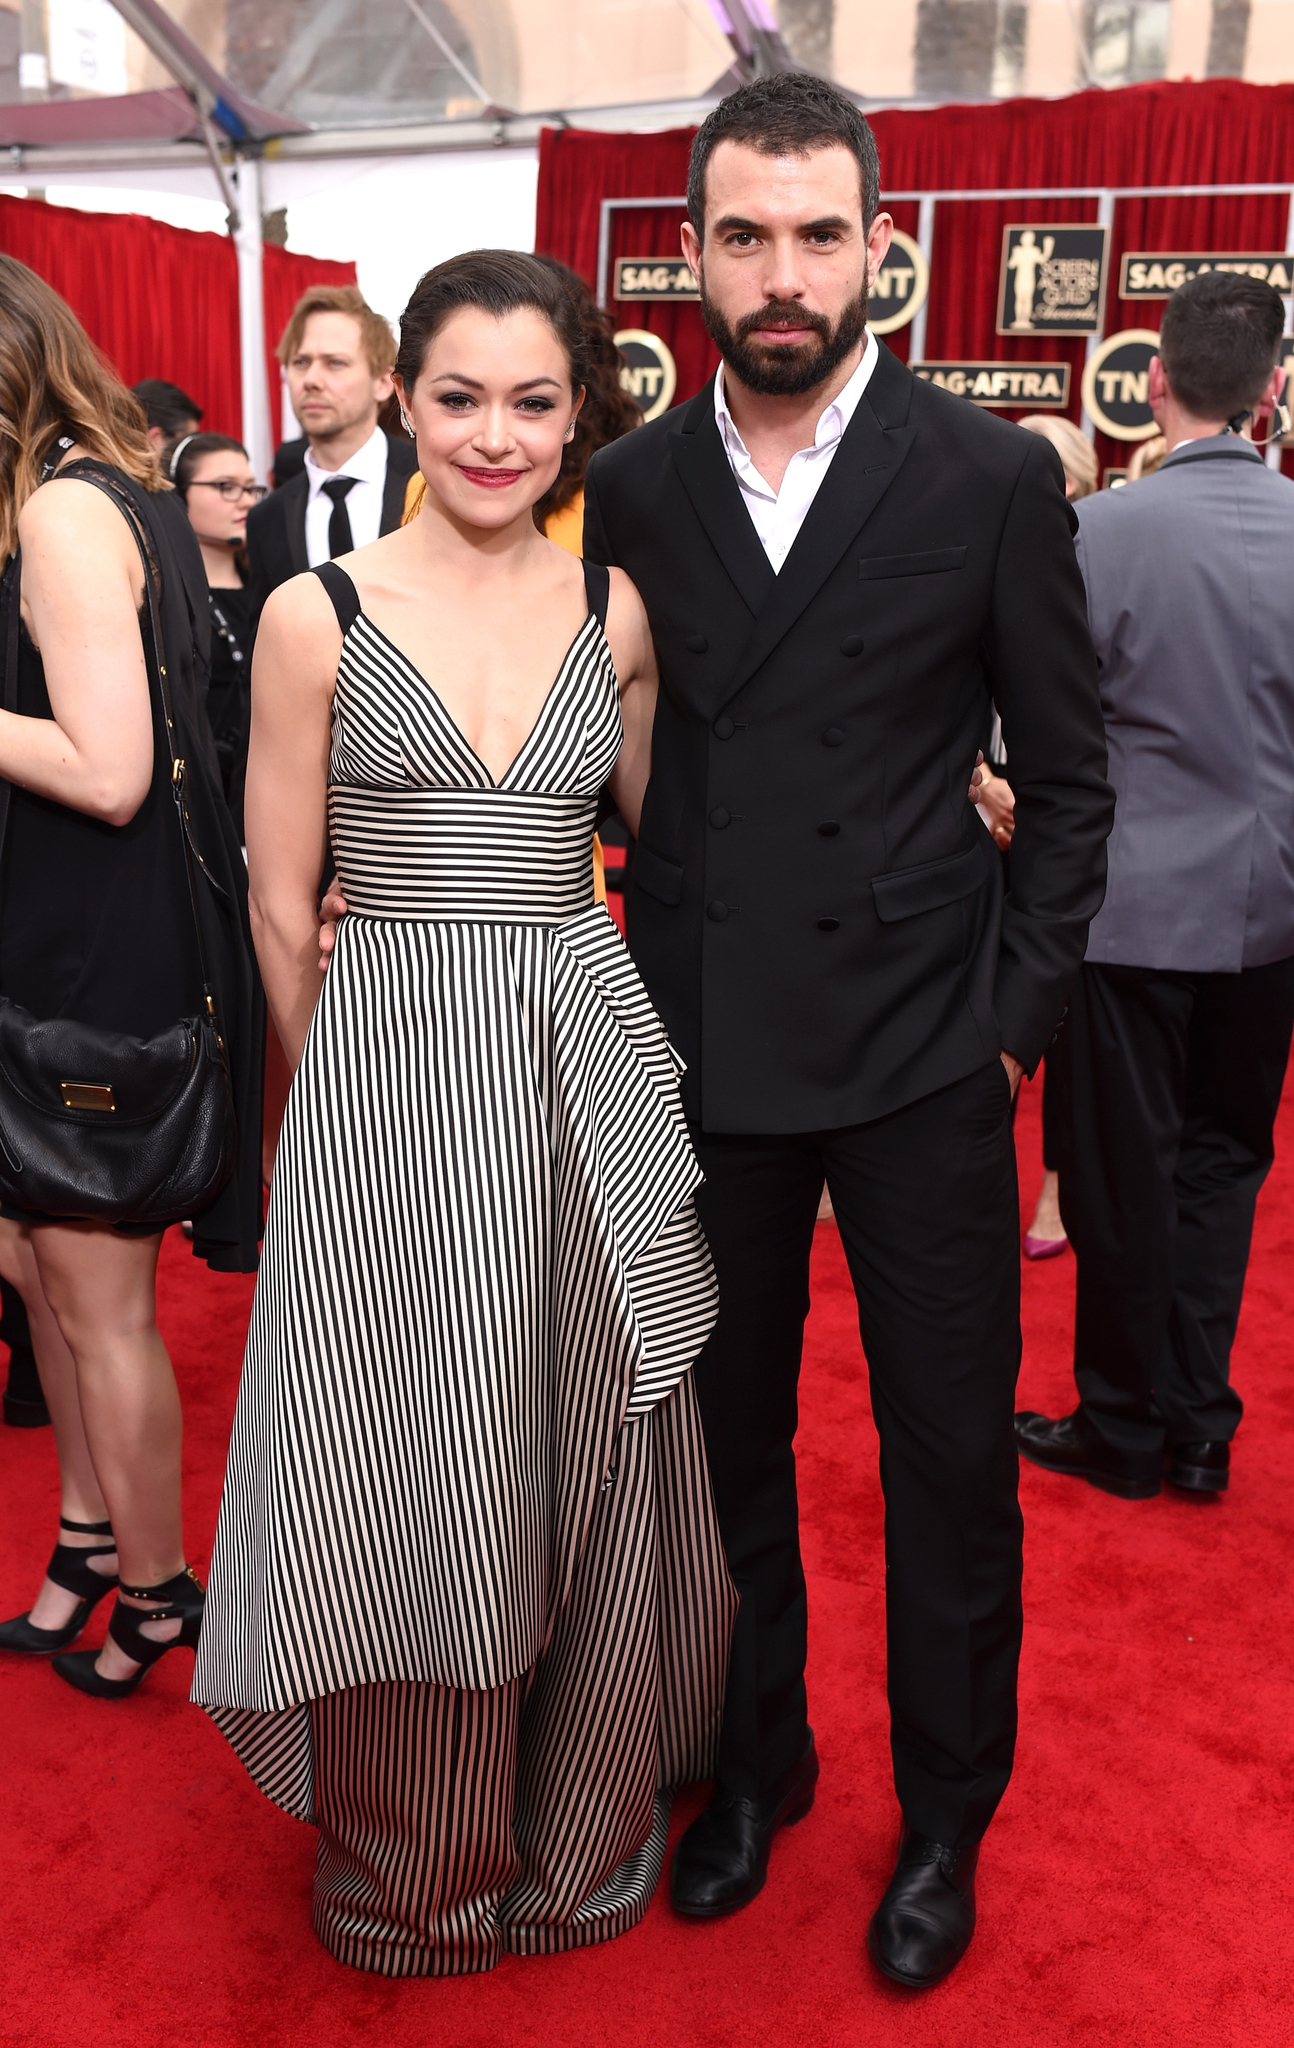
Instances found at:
x=1153 y=274
x=1042 y=387
x=654 y=277
x=1052 y=279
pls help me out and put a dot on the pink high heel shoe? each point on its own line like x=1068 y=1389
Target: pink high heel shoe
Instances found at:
x=1043 y=1247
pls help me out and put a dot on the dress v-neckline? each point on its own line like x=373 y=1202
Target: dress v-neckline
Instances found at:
x=448 y=716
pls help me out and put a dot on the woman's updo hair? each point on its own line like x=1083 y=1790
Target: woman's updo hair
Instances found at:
x=499 y=281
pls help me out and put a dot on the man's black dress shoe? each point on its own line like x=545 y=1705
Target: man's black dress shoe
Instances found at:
x=1199 y=1468
x=923 y=1925
x=721 y=1862
x=1060 y=1447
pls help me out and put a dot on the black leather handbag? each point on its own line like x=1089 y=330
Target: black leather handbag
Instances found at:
x=94 y=1125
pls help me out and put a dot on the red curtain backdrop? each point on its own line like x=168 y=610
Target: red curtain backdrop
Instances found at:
x=1221 y=132
x=1218 y=132
x=160 y=301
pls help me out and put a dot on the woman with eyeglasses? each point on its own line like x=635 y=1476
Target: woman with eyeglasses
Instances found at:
x=213 y=477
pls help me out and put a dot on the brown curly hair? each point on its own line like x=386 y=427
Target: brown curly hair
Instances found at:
x=53 y=381
x=608 y=410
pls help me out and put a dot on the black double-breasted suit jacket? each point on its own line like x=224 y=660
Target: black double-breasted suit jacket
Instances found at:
x=816 y=909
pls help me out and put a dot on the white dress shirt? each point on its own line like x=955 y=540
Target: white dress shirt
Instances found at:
x=779 y=515
x=363 y=501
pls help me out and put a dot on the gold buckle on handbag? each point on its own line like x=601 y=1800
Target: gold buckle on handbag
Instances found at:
x=86 y=1095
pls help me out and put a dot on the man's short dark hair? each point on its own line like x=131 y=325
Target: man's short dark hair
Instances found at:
x=787 y=113
x=165 y=405
x=1218 y=343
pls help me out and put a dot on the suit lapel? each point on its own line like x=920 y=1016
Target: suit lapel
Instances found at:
x=707 y=477
x=296 y=496
x=872 y=450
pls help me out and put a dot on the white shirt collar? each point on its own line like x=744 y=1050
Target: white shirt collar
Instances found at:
x=832 y=421
x=367 y=465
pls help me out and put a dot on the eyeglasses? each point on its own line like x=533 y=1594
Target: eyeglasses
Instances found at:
x=230 y=491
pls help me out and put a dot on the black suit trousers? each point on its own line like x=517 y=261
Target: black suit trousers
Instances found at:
x=1170 y=1084
x=927 y=1206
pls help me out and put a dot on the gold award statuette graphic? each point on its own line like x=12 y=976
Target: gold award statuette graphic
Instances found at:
x=649 y=374
x=901 y=285
x=1116 y=385
x=1052 y=279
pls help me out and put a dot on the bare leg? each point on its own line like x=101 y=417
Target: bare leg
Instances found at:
x=103 y=1290
x=1046 y=1217
x=81 y=1500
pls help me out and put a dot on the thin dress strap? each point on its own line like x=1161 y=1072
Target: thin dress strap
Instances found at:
x=345 y=597
x=597 y=587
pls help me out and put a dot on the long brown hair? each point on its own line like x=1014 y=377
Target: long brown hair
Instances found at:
x=53 y=381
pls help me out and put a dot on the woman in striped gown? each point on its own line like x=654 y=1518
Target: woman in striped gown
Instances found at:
x=468 y=1610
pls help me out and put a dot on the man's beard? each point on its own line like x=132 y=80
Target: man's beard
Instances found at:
x=799 y=367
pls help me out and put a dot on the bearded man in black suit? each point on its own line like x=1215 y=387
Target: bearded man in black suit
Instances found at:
x=843 y=567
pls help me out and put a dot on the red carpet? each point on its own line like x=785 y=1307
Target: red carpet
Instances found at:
x=1136 y=1888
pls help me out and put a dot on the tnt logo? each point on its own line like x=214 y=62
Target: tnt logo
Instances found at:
x=648 y=372
x=1116 y=384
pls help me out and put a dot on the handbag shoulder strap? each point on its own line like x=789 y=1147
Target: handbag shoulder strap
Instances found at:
x=13 y=619
x=91 y=473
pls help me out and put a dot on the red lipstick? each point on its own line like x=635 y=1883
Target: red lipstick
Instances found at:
x=490 y=479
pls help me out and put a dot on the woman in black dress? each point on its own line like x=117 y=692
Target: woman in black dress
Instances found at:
x=213 y=477
x=97 y=927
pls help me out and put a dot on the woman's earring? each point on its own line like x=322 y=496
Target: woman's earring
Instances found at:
x=404 y=422
x=569 y=435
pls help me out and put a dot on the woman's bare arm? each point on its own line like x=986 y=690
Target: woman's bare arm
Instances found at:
x=82 y=585
x=294 y=670
x=630 y=640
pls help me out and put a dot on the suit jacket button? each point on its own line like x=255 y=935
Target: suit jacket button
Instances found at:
x=832 y=737
x=828 y=924
x=724 y=728
x=851 y=644
x=716 y=911
x=828 y=828
x=720 y=818
x=696 y=643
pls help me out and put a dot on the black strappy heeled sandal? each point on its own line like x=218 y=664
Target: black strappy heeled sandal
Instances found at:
x=67 y=1568
x=178 y=1599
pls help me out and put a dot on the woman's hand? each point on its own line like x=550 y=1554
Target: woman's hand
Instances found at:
x=995 y=800
x=331 y=911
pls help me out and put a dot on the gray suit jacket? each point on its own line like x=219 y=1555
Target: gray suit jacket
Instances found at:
x=1190 y=594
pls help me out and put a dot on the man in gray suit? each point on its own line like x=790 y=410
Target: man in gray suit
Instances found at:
x=1173 y=1056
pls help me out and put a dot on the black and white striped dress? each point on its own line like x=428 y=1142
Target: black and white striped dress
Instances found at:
x=466 y=1458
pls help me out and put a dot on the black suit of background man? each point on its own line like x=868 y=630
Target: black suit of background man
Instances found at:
x=276 y=528
x=817 y=912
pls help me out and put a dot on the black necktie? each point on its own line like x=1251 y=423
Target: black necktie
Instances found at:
x=341 y=540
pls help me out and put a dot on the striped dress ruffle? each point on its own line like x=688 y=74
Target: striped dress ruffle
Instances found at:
x=482 y=1262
